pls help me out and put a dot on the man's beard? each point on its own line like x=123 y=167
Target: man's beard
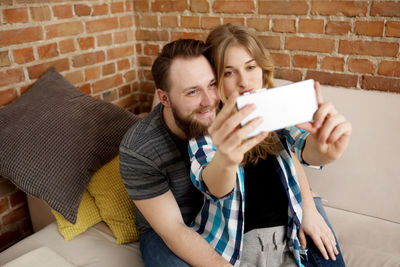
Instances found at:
x=189 y=125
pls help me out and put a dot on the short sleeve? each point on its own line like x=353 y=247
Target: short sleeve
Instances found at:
x=142 y=178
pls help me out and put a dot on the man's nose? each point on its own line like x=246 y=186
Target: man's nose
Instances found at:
x=208 y=98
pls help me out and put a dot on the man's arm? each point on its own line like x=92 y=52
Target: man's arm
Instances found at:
x=163 y=214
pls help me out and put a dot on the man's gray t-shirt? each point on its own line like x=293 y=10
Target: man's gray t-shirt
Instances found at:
x=152 y=161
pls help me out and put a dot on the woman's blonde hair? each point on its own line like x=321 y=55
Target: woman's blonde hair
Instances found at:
x=218 y=41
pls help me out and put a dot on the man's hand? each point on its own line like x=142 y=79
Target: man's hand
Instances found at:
x=329 y=133
x=230 y=140
x=163 y=214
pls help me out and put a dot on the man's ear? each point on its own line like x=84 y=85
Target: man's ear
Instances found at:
x=163 y=97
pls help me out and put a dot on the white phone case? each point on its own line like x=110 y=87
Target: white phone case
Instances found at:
x=281 y=106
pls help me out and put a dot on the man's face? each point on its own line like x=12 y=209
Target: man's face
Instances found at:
x=193 y=95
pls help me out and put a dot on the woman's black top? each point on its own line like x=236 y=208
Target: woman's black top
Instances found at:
x=266 y=201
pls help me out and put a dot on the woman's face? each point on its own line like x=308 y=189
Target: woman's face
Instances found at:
x=241 y=72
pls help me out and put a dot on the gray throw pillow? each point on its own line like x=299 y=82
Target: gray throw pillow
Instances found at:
x=54 y=137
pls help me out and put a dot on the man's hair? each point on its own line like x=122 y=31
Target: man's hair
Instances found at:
x=184 y=48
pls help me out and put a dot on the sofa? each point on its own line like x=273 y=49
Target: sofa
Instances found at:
x=359 y=192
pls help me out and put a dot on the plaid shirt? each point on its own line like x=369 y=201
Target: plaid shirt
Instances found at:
x=221 y=221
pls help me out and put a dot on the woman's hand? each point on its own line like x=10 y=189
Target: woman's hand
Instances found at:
x=329 y=133
x=314 y=226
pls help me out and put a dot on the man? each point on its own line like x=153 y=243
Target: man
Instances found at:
x=154 y=160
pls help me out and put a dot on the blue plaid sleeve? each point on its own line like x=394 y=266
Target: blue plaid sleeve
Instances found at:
x=296 y=139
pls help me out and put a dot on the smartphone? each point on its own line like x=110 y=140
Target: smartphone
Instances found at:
x=281 y=106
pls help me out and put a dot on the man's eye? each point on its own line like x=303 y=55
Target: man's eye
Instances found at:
x=213 y=84
x=191 y=92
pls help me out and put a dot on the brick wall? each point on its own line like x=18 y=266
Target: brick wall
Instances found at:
x=345 y=43
x=106 y=49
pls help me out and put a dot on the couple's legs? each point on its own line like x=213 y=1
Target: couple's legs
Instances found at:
x=314 y=255
x=156 y=254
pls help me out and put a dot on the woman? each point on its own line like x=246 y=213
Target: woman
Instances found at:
x=271 y=217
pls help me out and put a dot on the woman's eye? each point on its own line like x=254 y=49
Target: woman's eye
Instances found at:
x=251 y=67
x=227 y=73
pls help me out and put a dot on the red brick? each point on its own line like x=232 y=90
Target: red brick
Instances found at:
x=123 y=51
x=210 y=22
x=169 y=5
x=11 y=76
x=82 y=10
x=332 y=63
x=335 y=79
x=37 y=70
x=86 y=43
x=142 y=35
x=190 y=22
x=7 y=187
x=361 y=66
x=124 y=90
x=389 y=68
x=129 y=6
x=48 y=51
x=283 y=7
x=63 y=11
x=393 y=29
x=67 y=46
x=386 y=9
x=123 y=37
x=144 y=61
x=88 y=59
x=107 y=83
x=238 y=6
x=189 y=35
x=102 y=25
x=270 y=42
x=151 y=50
x=169 y=21
x=123 y=64
x=8 y=238
x=234 y=21
x=260 y=24
x=108 y=69
x=3 y=202
x=15 y=15
x=99 y=10
x=130 y=75
x=63 y=29
x=199 y=6
x=370 y=48
x=141 y=5
x=139 y=48
x=104 y=39
x=126 y=102
x=338 y=27
x=380 y=83
x=305 y=61
x=149 y=21
x=4 y=59
x=16 y=215
x=92 y=73
x=86 y=88
x=7 y=96
x=17 y=198
x=280 y=59
x=310 y=44
x=287 y=74
x=311 y=25
x=148 y=87
x=23 y=55
x=340 y=8
x=75 y=77
x=41 y=13
x=117 y=7
x=284 y=25
x=369 y=28
x=126 y=21
x=20 y=36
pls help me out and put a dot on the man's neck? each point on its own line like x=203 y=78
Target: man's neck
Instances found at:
x=171 y=124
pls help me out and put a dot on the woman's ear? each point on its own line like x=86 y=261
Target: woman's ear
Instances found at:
x=163 y=97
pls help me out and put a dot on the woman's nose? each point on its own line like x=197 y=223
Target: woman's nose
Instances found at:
x=243 y=81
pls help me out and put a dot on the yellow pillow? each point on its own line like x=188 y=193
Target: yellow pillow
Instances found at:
x=88 y=215
x=112 y=200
